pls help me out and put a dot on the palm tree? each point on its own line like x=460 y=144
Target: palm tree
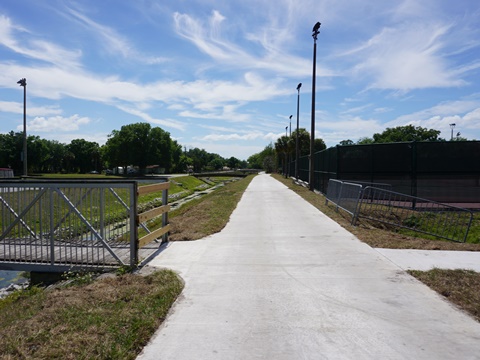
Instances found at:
x=280 y=149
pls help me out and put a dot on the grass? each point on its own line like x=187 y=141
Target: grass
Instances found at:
x=111 y=318
x=461 y=287
x=207 y=215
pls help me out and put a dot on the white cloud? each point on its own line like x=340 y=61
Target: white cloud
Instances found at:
x=17 y=108
x=56 y=123
x=164 y=122
x=464 y=113
x=228 y=137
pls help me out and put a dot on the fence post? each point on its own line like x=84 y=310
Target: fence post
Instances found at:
x=413 y=189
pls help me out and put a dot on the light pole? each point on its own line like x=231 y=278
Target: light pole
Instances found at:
x=286 y=131
x=315 y=32
x=452 y=126
x=290 y=125
x=296 y=140
x=23 y=82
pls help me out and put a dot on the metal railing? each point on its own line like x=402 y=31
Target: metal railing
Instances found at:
x=416 y=214
x=63 y=225
x=400 y=210
x=344 y=195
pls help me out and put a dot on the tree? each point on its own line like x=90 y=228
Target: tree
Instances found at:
x=365 y=141
x=56 y=156
x=233 y=163
x=284 y=146
x=318 y=145
x=406 y=133
x=265 y=159
x=86 y=155
x=303 y=141
x=346 y=142
x=216 y=164
x=141 y=145
x=199 y=158
x=11 y=146
x=161 y=149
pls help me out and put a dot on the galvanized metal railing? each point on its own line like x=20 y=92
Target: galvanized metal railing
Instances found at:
x=416 y=214
x=64 y=225
x=344 y=195
x=400 y=210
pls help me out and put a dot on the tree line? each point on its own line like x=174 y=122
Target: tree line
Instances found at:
x=277 y=155
x=138 y=145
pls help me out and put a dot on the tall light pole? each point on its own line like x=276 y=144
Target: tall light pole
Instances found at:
x=296 y=140
x=290 y=125
x=286 y=131
x=315 y=32
x=23 y=82
x=452 y=126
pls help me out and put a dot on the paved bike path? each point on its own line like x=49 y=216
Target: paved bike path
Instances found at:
x=283 y=281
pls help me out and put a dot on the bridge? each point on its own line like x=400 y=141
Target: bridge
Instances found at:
x=64 y=225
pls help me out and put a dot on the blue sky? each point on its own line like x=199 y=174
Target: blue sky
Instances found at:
x=222 y=75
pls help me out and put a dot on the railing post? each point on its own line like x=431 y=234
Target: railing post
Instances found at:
x=52 y=228
x=165 y=214
x=134 y=224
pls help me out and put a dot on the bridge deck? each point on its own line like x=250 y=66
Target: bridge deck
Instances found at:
x=25 y=255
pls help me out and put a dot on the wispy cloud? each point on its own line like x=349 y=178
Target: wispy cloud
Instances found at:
x=112 y=41
x=36 y=49
x=211 y=38
x=407 y=58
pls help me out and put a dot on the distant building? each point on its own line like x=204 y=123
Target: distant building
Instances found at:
x=6 y=173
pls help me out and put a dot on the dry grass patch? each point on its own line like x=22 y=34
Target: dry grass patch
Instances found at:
x=461 y=287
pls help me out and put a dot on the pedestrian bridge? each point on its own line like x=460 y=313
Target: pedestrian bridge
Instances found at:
x=57 y=226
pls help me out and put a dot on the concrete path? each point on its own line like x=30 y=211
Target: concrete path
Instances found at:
x=428 y=259
x=283 y=281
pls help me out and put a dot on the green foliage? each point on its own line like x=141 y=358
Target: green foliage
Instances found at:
x=135 y=144
x=125 y=269
x=79 y=277
x=83 y=156
x=406 y=133
x=265 y=159
x=18 y=295
x=365 y=141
